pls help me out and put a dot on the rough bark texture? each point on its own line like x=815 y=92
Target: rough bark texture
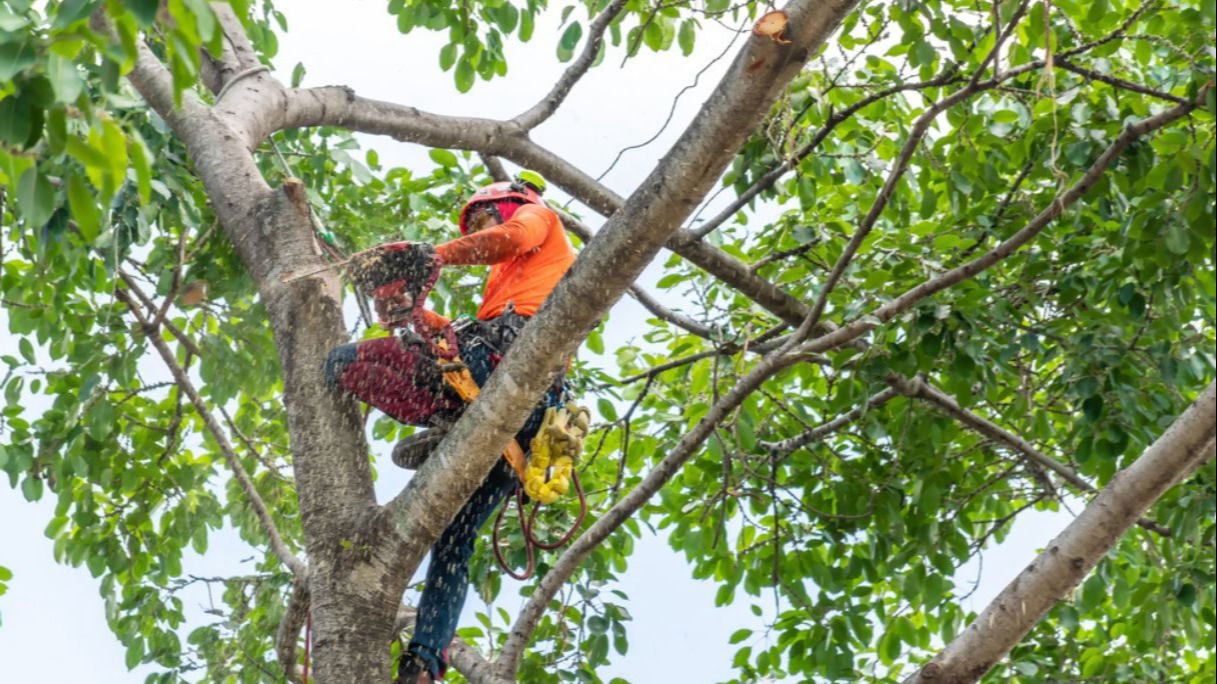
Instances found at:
x=1071 y=556
x=352 y=603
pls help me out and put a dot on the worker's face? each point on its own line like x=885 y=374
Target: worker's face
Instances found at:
x=483 y=217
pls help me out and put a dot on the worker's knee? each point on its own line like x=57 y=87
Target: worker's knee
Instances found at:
x=337 y=362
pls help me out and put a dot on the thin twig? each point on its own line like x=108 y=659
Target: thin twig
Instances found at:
x=595 y=38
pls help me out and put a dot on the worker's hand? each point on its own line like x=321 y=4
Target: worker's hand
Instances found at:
x=411 y=262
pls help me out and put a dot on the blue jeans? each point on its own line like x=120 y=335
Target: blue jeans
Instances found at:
x=447 y=583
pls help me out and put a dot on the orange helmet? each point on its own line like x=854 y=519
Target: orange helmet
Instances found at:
x=526 y=188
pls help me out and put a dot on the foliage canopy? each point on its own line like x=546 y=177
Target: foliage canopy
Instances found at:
x=1086 y=343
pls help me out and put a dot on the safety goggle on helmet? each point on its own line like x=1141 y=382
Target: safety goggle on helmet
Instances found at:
x=526 y=187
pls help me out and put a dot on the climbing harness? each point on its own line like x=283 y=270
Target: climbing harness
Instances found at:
x=550 y=472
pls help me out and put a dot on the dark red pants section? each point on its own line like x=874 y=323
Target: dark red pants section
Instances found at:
x=401 y=381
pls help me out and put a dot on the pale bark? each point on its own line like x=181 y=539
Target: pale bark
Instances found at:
x=1070 y=557
x=353 y=603
x=295 y=616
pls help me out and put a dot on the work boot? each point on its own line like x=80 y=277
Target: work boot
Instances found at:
x=410 y=670
x=412 y=452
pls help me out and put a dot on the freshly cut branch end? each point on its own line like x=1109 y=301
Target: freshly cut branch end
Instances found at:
x=772 y=25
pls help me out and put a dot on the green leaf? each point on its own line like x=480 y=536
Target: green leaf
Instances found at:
x=26 y=349
x=1027 y=669
x=1177 y=239
x=1093 y=408
x=31 y=488
x=16 y=120
x=595 y=342
x=10 y=22
x=670 y=280
x=464 y=74
x=568 y=41
x=84 y=208
x=687 y=36
x=607 y=409
x=15 y=58
x=142 y=163
x=447 y=56
x=443 y=157
x=6 y=575
x=739 y=635
x=298 y=72
x=1187 y=595
x=35 y=198
x=39 y=91
x=597 y=624
x=652 y=36
x=144 y=10
x=65 y=78
x=72 y=11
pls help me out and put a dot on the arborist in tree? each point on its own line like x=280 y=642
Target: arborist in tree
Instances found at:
x=508 y=227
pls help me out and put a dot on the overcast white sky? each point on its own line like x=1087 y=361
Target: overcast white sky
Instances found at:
x=53 y=627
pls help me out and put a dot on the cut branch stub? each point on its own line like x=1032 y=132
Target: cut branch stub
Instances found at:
x=772 y=25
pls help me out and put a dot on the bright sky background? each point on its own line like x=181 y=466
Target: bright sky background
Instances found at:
x=53 y=627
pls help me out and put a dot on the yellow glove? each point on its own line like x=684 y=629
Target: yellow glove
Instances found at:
x=554 y=450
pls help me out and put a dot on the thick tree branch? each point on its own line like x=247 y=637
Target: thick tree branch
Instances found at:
x=643 y=297
x=595 y=38
x=1070 y=557
x=920 y=389
x=906 y=301
x=473 y=666
x=277 y=545
x=604 y=269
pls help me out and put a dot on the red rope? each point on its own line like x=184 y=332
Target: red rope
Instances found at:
x=531 y=543
x=308 y=641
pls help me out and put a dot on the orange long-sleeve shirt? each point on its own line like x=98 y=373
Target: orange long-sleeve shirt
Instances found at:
x=527 y=256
